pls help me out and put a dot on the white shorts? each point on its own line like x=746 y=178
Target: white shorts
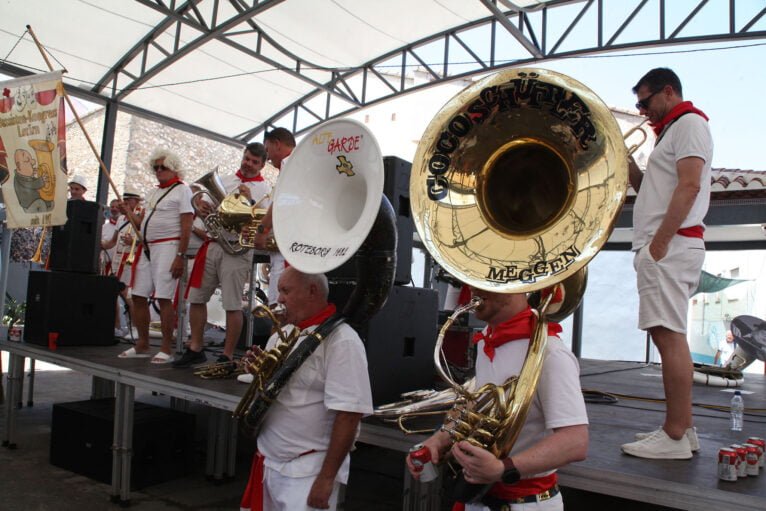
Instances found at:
x=282 y=493
x=665 y=286
x=228 y=271
x=555 y=503
x=155 y=276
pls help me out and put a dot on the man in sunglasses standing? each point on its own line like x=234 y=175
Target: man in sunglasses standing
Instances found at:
x=673 y=198
x=165 y=229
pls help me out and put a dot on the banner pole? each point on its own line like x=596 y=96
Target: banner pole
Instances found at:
x=102 y=165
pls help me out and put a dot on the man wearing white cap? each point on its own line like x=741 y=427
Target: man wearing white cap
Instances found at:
x=77 y=187
x=165 y=229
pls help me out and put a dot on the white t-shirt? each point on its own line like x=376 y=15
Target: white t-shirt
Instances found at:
x=124 y=227
x=688 y=136
x=558 y=400
x=107 y=231
x=726 y=348
x=334 y=378
x=166 y=220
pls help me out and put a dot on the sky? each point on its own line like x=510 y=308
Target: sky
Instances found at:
x=727 y=83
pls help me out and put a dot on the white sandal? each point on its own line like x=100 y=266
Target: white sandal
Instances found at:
x=132 y=353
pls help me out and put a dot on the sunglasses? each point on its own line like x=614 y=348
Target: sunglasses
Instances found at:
x=157 y=168
x=644 y=103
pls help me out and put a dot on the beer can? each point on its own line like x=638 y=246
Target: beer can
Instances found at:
x=727 y=464
x=741 y=459
x=421 y=458
x=761 y=443
x=752 y=459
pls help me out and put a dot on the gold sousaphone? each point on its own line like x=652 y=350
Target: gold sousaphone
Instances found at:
x=515 y=186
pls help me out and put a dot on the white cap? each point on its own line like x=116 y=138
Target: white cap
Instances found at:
x=78 y=180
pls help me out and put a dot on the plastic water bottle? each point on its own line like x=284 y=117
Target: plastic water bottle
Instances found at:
x=737 y=409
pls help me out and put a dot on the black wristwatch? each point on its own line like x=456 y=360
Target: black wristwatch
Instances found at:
x=511 y=474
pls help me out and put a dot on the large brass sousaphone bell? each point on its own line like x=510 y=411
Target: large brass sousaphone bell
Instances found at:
x=515 y=186
x=518 y=180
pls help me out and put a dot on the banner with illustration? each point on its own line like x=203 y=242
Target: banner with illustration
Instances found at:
x=33 y=150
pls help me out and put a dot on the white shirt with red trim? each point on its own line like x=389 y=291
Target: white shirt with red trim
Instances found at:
x=334 y=378
x=688 y=136
x=166 y=220
x=558 y=400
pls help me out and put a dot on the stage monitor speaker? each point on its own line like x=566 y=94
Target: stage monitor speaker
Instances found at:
x=81 y=441
x=399 y=340
x=80 y=308
x=396 y=188
x=76 y=244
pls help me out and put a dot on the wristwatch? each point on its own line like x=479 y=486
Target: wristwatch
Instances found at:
x=511 y=474
x=179 y=254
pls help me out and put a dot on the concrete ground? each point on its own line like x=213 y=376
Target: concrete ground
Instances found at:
x=28 y=482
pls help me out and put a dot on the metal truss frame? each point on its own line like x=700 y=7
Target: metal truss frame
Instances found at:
x=530 y=29
x=342 y=91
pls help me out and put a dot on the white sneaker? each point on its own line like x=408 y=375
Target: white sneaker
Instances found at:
x=659 y=446
x=691 y=434
x=245 y=378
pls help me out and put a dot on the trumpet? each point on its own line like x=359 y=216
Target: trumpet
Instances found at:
x=220 y=370
x=131 y=231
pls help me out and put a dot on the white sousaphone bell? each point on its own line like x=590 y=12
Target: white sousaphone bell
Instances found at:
x=328 y=196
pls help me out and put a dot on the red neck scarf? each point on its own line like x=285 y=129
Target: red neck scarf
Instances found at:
x=245 y=179
x=170 y=182
x=677 y=111
x=112 y=220
x=318 y=318
x=520 y=326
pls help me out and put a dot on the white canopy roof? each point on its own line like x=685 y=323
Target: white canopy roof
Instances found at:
x=233 y=67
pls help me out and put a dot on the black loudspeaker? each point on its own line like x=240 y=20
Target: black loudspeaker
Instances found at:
x=76 y=244
x=399 y=340
x=396 y=188
x=80 y=308
x=81 y=441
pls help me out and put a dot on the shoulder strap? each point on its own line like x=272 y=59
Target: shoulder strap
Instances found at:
x=151 y=213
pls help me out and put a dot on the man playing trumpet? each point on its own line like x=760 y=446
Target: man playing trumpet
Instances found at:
x=555 y=432
x=213 y=266
x=123 y=244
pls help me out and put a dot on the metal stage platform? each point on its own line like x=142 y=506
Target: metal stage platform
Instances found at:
x=689 y=484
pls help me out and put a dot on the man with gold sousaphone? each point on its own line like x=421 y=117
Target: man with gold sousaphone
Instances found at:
x=222 y=259
x=515 y=186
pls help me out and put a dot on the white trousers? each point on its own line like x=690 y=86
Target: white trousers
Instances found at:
x=282 y=493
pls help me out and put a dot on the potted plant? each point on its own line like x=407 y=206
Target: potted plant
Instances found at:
x=14 y=313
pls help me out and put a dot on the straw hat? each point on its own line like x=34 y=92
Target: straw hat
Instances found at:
x=131 y=193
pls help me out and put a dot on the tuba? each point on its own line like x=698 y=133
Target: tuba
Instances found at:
x=515 y=187
x=233 y=214
x=328 y=207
